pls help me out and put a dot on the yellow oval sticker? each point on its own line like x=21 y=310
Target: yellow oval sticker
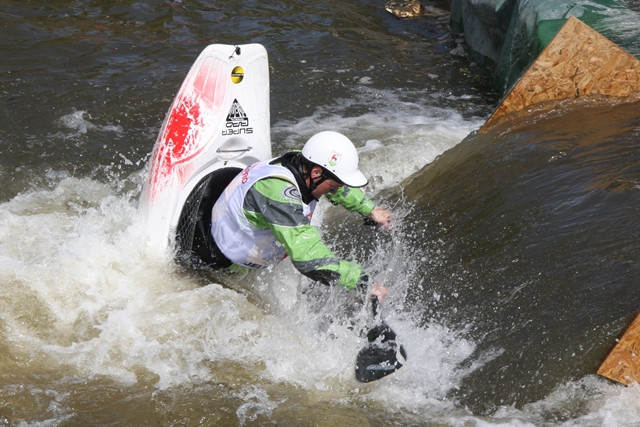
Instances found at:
x=237 y=74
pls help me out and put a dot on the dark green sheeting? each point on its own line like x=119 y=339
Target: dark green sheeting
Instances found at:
x=508 y=35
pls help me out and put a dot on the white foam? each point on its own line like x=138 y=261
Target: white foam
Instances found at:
x=111 y=306
x=79 y=122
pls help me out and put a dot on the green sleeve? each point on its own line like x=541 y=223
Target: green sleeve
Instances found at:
x=352 y=199
x=274 y=203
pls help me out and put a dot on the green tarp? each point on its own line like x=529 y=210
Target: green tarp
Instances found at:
x=508 y=35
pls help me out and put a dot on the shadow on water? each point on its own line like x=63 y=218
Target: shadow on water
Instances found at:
x=532 y=239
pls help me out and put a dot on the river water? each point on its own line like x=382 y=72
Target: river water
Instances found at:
x=512 y=267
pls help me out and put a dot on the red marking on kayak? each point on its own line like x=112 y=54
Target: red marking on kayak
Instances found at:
x=181 y=136
x=180 y=141
x=182 y=130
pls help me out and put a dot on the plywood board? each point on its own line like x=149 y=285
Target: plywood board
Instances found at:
x=623 y=362
x=578 y=61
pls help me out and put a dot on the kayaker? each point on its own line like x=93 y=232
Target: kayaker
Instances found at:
x=264 y=214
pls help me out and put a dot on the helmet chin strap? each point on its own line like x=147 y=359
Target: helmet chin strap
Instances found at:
x=315 y=182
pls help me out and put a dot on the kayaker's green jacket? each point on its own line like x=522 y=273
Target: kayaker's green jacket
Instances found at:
x=278 y=206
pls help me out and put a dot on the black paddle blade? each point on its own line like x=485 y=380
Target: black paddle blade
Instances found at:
x=382 y=331
x=381 y=357
x=379 y=360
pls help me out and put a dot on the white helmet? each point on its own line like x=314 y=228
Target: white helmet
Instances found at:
x=335 y=152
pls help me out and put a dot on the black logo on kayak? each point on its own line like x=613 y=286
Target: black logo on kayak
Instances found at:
x=237 y=121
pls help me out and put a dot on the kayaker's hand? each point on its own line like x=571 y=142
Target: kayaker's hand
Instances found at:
x=381 y=217
x=379 y=291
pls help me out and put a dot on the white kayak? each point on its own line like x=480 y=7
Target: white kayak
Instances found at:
x=218 y=124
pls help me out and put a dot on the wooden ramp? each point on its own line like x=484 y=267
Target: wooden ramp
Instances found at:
x=577 y=62
x=623 y=362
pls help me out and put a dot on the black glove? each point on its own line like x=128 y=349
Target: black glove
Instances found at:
x=363 y=283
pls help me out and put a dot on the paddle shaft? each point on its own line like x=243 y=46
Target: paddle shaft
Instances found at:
x=375 y=305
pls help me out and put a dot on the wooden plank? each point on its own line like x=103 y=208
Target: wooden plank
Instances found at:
x=577 y=62
x=622 y=364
